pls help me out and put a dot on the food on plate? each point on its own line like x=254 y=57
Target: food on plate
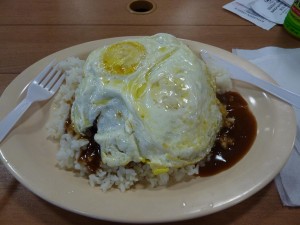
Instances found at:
x=142 y=109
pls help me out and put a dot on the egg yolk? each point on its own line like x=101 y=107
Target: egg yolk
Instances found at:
x=123 y=58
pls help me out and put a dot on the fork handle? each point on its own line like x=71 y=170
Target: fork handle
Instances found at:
x=11 y=119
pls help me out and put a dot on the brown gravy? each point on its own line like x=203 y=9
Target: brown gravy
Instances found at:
x=241 y=135
x=90 y=156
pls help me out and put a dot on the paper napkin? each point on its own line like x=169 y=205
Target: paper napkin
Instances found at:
x=263 y=13
x=283 y=65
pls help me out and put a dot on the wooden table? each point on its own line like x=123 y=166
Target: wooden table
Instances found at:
x=31 y=30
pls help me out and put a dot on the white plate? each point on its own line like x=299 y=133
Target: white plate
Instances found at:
x=30 y=157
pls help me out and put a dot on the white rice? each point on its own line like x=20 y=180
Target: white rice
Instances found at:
x=69 y=150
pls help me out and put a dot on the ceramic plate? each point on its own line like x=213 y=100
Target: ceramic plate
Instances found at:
x=30 y=157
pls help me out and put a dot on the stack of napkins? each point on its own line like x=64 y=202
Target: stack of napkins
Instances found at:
x=265 y=14
x=283 y=65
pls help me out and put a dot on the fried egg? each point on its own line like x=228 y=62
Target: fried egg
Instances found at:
x=153 y=100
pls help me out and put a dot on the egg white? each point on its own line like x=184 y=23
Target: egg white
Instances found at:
x=154 y=102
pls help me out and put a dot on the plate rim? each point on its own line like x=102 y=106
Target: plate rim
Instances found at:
x=243 y=63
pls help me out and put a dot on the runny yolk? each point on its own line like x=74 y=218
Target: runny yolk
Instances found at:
x=123 y=58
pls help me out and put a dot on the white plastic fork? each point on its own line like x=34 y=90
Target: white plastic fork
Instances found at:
x=43 y=87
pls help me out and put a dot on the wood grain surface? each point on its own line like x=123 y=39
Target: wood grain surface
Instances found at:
x=33 y=29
